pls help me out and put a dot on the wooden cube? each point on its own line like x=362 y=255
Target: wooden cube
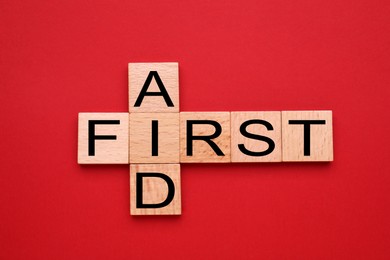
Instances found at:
x=204 y=137
x=103 y=138
x=154 y=87
x=154 y=138
x=307 y=136
x=256 y=137
x=155 y=189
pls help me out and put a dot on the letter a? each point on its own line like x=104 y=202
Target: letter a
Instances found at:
x=154 y=87
x=144 y=91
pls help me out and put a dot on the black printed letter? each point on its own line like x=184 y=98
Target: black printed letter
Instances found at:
x=269 y=141
x=154 y=138
x=139 y=183
x=92 y=137
x=306 y=132
x=207 y=138
x=144 y=91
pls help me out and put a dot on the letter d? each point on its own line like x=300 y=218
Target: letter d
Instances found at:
x=139 y=189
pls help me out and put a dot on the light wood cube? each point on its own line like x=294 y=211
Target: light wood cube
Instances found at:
x=307 y=136
x=256 y=137
x=154 y=138
x=154 y=87
x=204 y=137
x=103 y=138
x=155 y=189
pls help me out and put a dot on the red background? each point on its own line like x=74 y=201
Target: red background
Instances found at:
x=58 y=59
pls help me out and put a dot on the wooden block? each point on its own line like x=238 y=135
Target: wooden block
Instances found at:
x=103 y=138
x=307 y=136
x=162 y=79
x=256 y=137
x=213 y=128
x=149 y=190
x=160 y=147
